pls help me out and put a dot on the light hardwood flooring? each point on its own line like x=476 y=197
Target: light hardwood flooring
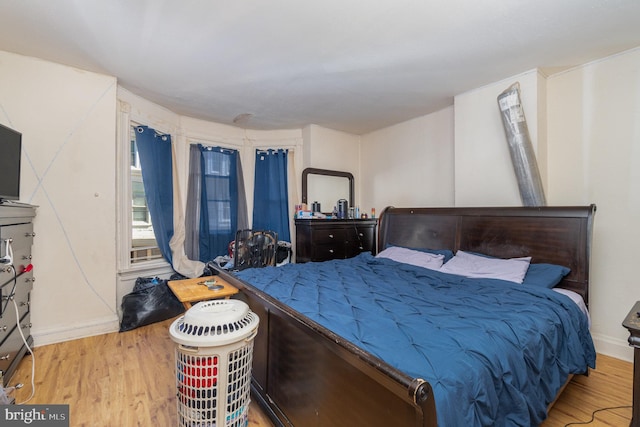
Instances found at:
x=117 y=379
x=128 y=379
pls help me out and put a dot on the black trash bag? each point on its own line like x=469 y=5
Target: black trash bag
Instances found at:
x=150 y=301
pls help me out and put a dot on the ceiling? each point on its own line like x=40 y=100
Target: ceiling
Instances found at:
x=354 y=66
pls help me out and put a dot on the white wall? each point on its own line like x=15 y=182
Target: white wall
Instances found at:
x=331 y=149
x=484 y=174
x=67 y=118
x=409 y=164
x=334 y=150
x=594 y=157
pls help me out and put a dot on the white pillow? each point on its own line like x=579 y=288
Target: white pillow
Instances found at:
x=413 y=257
x=470 y=265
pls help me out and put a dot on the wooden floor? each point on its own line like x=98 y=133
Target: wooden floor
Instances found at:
x=128 y=379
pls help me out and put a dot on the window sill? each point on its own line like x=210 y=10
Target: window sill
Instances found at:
x=159 y=266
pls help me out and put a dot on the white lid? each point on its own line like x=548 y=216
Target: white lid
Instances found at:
x=212 y=323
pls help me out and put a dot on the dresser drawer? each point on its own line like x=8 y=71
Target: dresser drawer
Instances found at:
x=23 y=282
x=8 y=318
x=21 y=238
x=328 y=251
x=13 y=343
x=322 y=236
x=21 y=259
x=21 y=235
x=361 y=238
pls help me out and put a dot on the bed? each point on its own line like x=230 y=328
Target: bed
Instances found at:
x=370 y=341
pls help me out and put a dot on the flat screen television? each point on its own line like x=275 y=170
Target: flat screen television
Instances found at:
x=10 y=152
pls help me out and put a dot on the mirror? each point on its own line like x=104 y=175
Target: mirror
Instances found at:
x=326 y=187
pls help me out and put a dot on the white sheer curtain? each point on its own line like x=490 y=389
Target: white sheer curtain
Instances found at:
x=183 y=264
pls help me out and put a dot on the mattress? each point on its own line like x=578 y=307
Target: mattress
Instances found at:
x=494 y=352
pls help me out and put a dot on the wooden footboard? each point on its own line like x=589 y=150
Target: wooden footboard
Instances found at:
x=304 y=375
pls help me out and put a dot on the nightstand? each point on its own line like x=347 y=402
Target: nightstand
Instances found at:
x=632 y=323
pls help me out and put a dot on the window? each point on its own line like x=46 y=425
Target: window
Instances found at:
x=143 y=242
x=217 y=170
x=216 y=198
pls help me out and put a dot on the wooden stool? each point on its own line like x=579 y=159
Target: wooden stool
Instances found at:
x=200 y=289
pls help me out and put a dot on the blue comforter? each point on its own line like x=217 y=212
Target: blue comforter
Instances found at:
x=495 y=353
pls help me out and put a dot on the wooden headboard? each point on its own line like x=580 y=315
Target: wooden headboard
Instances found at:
x=556 y=235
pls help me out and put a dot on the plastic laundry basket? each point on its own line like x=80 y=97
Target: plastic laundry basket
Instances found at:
x=213 y=363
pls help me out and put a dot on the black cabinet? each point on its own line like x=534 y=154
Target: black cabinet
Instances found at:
x=325 y=239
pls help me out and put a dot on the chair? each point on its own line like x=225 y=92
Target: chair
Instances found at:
x=254 y=248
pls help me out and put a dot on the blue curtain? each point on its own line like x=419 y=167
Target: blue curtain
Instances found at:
x=219 y=201
x=154 y=150
x=270 y=204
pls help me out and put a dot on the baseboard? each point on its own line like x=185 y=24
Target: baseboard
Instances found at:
x=613 y=347
x=94 y=327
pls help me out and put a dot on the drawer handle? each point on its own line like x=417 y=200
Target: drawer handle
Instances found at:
x=7 y=357
x=4 y=328
x=30 y=279
x=23 y=303
x=331 y=236
x=330 y=251
x=26 y=326
x=361 y=234
x=30 y=235
x=26 y=257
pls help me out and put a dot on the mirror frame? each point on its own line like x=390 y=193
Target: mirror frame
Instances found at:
x=326 y=172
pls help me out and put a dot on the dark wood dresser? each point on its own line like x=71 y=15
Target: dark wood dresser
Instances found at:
x=325 y=239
